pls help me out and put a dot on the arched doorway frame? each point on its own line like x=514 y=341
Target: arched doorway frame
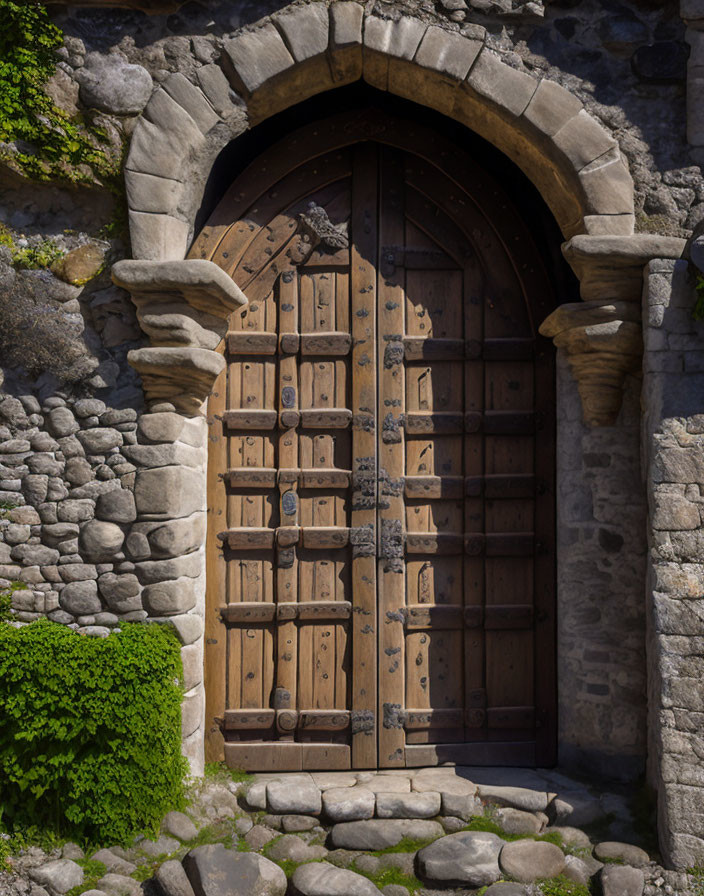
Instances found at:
x=183 y=305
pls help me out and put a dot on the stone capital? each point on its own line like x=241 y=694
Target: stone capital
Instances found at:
x=183 y=306
x=610 y=268
x=603 y=342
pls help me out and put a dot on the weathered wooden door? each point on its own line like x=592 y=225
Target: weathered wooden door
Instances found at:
x=380 y=548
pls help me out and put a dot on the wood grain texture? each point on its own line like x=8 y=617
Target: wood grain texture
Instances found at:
x=382 y=592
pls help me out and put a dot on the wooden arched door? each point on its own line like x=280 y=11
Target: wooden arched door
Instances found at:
x=380 y=547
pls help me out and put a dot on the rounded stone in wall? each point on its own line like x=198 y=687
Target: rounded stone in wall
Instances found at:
x=170 y=598
x=80 y=598
x=116 y=506
x=114 y=85
x=100 y=541
x=78 y=471
x=98 y=441
x=61 y=422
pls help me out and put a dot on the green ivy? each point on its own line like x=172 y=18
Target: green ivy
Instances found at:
x=6 y=601
x=49 y=144
x=90 y=730
x=43 y=255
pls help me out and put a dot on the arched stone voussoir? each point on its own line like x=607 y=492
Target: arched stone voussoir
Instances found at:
x=183 y=128
x=282 y=63
x=573 y=161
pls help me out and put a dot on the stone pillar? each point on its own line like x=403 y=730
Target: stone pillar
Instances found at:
x=184 y=307
x=673 y=447
x=601 y=549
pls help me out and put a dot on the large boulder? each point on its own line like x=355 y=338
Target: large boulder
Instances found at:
x=110 y=83
x=621 y=880
x=530 y=860
x=61 y=875
x=172 y=879
x=348 y=803
x=323 y=879
x=215 y=871
x=380 y=833
x=296 y=795
x=612 y=850
x=468 y=858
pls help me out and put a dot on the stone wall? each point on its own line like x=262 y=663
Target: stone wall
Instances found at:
x=102 y=517
x=673 y=444
x=600 y=584
x=103 y=522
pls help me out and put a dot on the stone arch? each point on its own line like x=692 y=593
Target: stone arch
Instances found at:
x=572 y=160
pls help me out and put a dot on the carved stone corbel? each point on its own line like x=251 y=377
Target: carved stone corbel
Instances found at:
x=183 y=306
x=610 y=268
x=603 y=342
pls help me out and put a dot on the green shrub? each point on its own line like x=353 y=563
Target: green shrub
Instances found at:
x=90 y=730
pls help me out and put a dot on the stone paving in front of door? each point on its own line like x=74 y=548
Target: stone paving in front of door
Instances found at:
x=440 y=831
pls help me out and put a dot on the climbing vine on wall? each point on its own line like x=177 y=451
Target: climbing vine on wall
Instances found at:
x=37 y=137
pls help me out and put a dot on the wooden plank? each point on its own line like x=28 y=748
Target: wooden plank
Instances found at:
x=429 y=349
x=508 y=349
x=322 y=477
x=422 y=719
x=363 y=294
x=433 y=487
x=509 y=423
x=326 y=418
x=286 y=536
x=434 y=542
x=248 y=244
x=332 y=343
x=236 y=419
x=391 y=453
x=324 y=720
x=289 y=343
x=326 y=757
x=248 y=538
x=248 y=342
x=251 y=477
x=215 y=634
x=287 y=533
x=315 y=610
x=520 y=754
x=433 y=422
x=424 y=258
x=256 y=756
x=321 y=538
x=510 y=544
x=441 y=616
x=249 y=720
x=510 y=485
x=248 y=612
x=511 y=716
x=508 y=616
